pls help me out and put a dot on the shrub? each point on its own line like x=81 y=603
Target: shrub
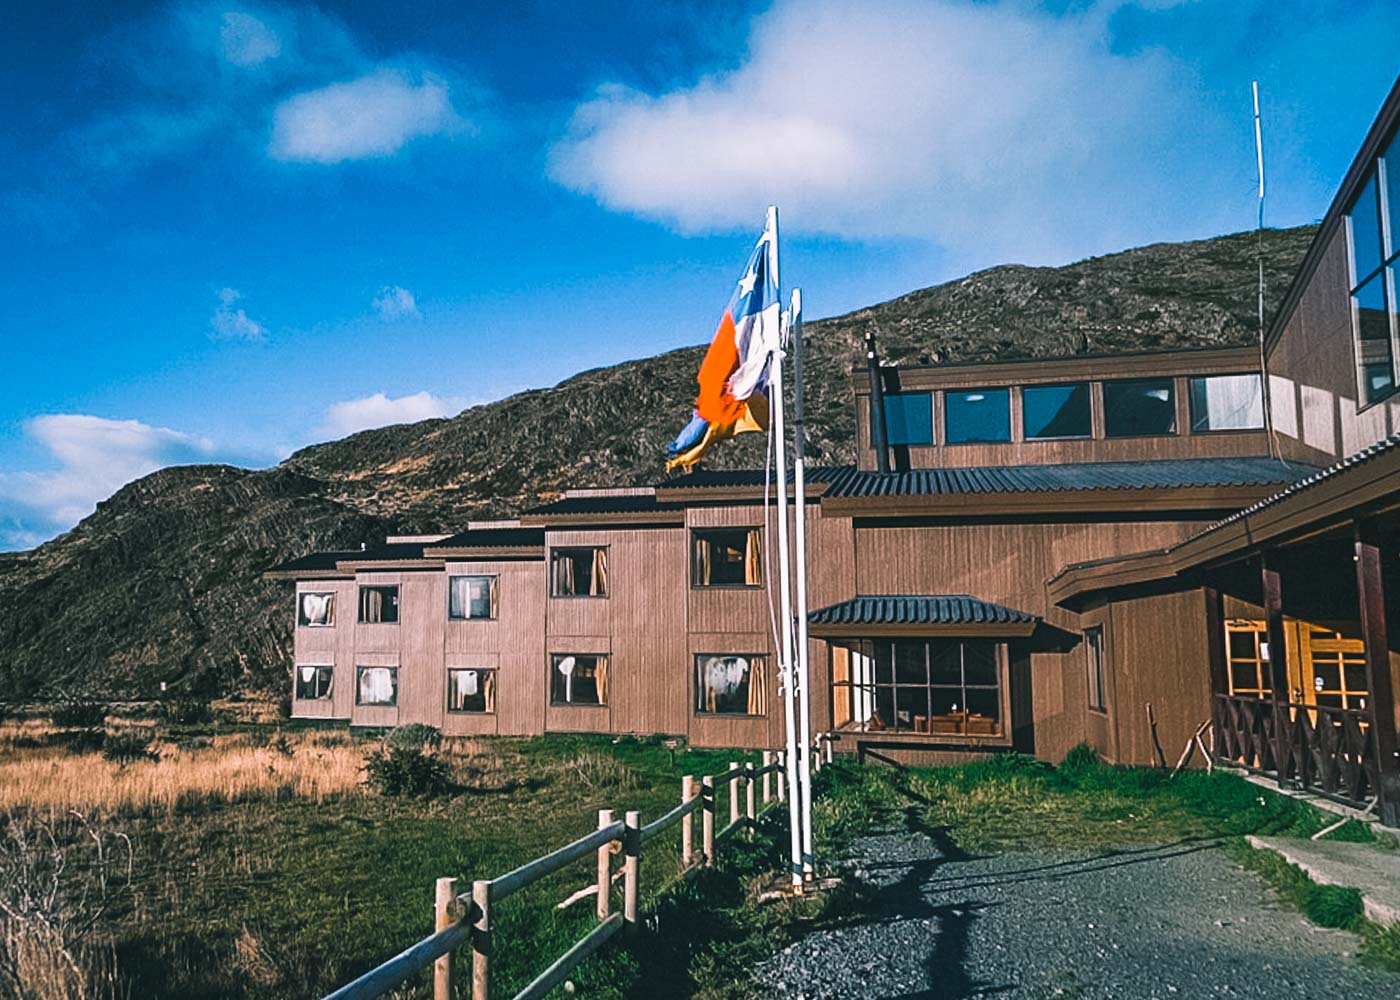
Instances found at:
x=78 y=712
x=407 y=771
x=126 y=746
x=186 y=711
x=1081 y=757
x=415 y=736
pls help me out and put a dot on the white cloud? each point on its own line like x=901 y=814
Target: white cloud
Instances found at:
x=394 y=302
x=372 y=116
x=996 y=130
x=232 y=323
x=380 y=410
x=94 y=457
x=246 y=41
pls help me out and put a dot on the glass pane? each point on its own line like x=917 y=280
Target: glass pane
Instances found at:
x=884 y=709
x=1373 y=339
x=1244 y=676
x=378 y=686
x=945 y=657
x=948 y=711
x=1139 y=407
x=1242 y=645
x=1365 y=232
x=1356 y=677
x=979 y=662
x=982 y=415
x=1226 y=403
x=1392 y=195
x=884 y=662
x=983 y=710
x=576 y=680
x=722 y=685
x=909 y=665
x=467 y=690
x=911 y=704
x=1056 y=411
x=909 y=418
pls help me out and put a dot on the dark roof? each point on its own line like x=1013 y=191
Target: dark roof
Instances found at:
x=741 y=478
x=1164 y=474
x=491 y=538
x=928 y=609
x=388 y=552
x=627 y=503
x=315 y=562
x=321 y=562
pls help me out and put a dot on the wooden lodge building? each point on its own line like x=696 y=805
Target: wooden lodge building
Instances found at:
x=1040 y=550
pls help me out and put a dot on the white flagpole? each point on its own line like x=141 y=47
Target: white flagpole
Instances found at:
x=804 y=673
x=794 y=752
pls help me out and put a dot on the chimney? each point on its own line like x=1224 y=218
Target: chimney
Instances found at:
x=879 y=438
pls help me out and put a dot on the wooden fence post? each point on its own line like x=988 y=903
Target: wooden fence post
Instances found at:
x=782 y=775
x=767 y=776
x=733 y=791
x=707 y=818
x=830 y=744
x=632 y=845
x=444 y=915
x=481 y=941
x=817 y=752
x=604 y=868
x=750 y=796
x=687 y=822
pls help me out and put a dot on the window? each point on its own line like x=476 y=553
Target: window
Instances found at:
x=942 y=687
x=731 y=557
x=1056 y=411
x=578 y=679
x=978 y=415
x=729 y=684
x=471 y=690
x=316 y=610
x=1375 y=260
x=471 y=597
x=909 y=418
x=377 y=686
x=379 y=605
x=1226 y=403
x=579 y=572
x=1247 y=658
x=314 y=683
x=1093 y=665
x=1140 y=407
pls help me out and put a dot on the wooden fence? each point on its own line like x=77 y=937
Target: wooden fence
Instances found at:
x=461 y=917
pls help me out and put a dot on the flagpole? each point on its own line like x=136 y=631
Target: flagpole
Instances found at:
x=785 y=578
x=804 y=673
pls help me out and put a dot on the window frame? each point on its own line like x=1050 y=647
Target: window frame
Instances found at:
x=360 y=668
x=492 y=599
x=553 y=666
x=1176 y=421
x=495 y=680
x=316 y=593
x=697 y=534
x=360 y=602
x=1385 y=272
x=699 y=713
x=327 y=694
x=1088 y=434
x=870 y=648
x=1095 y=674
x=948 y=423
x=553 y=552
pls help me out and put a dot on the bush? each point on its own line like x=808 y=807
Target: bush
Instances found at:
x=415 y=736
x=78 y=712
x=186 y=711
x=126 y=746
x=1081 y=757
x=407 y=771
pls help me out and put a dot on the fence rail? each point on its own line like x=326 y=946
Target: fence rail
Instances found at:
x=466 y=917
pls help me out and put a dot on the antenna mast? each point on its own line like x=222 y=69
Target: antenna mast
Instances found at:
x=1259 y=234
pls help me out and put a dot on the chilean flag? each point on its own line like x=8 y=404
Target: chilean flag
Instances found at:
x=734 y=375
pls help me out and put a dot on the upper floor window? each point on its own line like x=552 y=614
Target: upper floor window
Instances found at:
x=314 y=682
x=909 y=418
x=1056 y=411
x=1139 y=407
x=1093 y=665
x=316 y=609
x=977 y=415
x=1226 y=403
x=579 y=572
x=578 y=679
x=727 y=557
x=1375 y=259
x=471 y=597
x=379 y=605
x=726 y=684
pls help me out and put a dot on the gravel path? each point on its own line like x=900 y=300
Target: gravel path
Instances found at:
x=1174 y=922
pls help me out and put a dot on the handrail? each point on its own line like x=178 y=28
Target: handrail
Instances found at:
x=566 y=963
x=532 y=871
x=382 y=978
x=670 y=819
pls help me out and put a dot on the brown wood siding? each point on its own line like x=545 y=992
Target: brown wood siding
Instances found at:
x=334 y=645
x=422 y=674
x=648 y=669
x=514 y=642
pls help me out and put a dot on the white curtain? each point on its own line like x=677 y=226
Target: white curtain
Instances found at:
x=316 y=608
x=1229 y=402
x=377 y=686
x=566 y=667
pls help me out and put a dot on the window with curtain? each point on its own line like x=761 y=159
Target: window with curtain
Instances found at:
x=578 y=679
x=977 y=415
x=471 y=690
x=1139 y=407
x=942 y=687
x=1055 y=411
x=580 y=571
x=471 y=597
x=314 y=682
x=379 y=605
x=1226 y=403
x=909 y=418
x=316 y=610
x=731 y=684
x=376 y=685
x=1372 y=225
x=727 y=557
x=1093 y=666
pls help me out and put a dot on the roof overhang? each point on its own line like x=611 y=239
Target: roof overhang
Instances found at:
x=307 y=574
x=632 y=519
x=1087 y=501
x=844 y=630
x=486 y=553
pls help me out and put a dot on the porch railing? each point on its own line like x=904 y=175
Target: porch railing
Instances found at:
x=1327 y=750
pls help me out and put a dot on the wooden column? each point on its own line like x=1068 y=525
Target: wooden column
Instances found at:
x=1216 y=660
x=1278 y=666
x=604 y=868
x=444 y=916
x=687 y=822
x=750 y=796
x=1370 y=586
x=481 y=941
x=767 y=776
x=707 y=818
x=632 y=866
x=733 y=791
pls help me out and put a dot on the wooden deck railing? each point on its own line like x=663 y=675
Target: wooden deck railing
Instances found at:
x=460 y=918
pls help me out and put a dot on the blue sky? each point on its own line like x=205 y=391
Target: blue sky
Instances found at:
x=233 y=230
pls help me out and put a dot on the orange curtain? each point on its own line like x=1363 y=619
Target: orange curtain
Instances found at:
x=758 y=685
x=599 y=587
x=753 y=559
x=600 y=674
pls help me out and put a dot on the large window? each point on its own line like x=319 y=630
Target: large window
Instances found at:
x=1226 y=403
x=379 y=605
x=377 y=686
x=1139 y=407
x=314 y=682
x=579 y=572
x=727 y=557
x=578 y=679
x=909 y=418
x=1375 y=258
x=1247 y=658
x=471 y=597
x=1056 y=411
x=1093 y=666
x=977 y=415
x=729 y=684
x=471 y=690
x=942 y=687
x=316 y=610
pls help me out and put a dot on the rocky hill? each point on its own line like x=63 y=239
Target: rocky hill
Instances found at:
x=162 y=582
